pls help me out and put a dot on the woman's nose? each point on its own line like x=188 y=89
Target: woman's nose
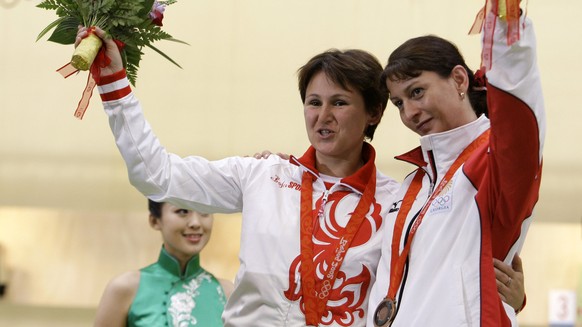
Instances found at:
x=410 y=110
x=326 y=112
x=194 y=221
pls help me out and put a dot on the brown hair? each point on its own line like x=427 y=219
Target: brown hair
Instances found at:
x=434 y=54
x=356 y=69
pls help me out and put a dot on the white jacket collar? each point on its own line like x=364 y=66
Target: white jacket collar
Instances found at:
x=441 y=149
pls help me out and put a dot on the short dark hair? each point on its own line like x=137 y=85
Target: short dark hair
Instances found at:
x=356 y=69
x=434 y=54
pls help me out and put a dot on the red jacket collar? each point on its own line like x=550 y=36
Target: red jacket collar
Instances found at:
x=413 y=156
x=358 y=180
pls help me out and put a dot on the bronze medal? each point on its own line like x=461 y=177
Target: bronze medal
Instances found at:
x=385 y=313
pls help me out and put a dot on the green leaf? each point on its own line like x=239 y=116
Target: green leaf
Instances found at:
x=66 y=31
x=133 y=57
x=48 y=5
x=49 y=27
x=147 y=7
x=176 y=40
x=163 y=54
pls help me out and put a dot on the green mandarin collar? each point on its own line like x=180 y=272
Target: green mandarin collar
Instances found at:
x=172 y=265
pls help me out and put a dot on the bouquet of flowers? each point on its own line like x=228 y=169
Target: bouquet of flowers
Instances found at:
x=134 y=24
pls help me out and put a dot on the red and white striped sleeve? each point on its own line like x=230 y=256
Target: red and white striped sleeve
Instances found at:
x=114 y=87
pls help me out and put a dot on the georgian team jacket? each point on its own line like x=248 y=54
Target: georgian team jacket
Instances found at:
x=485 y=210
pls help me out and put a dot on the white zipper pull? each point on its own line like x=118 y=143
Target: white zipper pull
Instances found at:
x=322 y=206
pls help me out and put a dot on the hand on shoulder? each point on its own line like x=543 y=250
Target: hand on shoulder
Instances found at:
x=266 y=154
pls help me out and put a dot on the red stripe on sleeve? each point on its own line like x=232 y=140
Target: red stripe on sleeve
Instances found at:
x=116 y=95
x=112 y=78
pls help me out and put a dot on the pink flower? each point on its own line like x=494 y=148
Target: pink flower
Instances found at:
x=157 y=13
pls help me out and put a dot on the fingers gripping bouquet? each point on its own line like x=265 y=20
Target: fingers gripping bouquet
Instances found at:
x=133 y=24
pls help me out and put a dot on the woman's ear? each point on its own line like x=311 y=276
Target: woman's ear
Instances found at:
x=460 y=78
x=376 y=117
x=155 y=222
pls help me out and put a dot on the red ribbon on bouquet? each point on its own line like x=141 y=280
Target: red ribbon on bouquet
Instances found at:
x=101 y=61
x=504 y=9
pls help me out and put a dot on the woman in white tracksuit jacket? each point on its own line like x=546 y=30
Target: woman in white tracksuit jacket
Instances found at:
x=483 y=209
x=302 y=229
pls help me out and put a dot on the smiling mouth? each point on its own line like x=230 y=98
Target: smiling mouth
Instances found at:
x=195 y=238
x=422 y=126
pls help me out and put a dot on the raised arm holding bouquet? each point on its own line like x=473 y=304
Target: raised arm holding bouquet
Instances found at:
x=133 y=24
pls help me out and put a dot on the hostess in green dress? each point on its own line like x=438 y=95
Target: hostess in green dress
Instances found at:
x=166 y=297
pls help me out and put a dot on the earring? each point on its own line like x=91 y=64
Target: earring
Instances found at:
x=462 y=95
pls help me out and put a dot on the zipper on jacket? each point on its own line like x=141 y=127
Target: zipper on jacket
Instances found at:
x=432 y=177
x=320 y=212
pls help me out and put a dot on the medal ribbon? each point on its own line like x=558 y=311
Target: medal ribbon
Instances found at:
x=397 y=261
x=316 y=292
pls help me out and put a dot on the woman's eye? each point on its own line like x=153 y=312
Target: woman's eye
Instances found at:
x=340 y=103
x=417 y=92
x=397 y=104
x=182 y=212
x=314 y=103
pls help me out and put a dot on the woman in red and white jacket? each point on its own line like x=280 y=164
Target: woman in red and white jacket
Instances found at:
x=472 y=197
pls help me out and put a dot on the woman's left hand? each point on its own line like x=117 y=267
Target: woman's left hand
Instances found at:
x=510 y=282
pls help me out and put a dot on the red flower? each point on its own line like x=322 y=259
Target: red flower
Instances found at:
x=157 y=13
